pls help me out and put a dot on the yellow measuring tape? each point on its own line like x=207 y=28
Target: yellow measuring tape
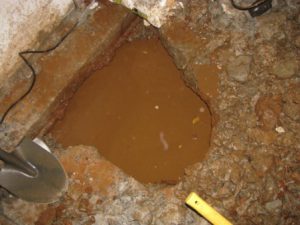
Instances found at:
x=197 y=203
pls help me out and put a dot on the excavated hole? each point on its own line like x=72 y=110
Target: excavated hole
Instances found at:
x=139 y=114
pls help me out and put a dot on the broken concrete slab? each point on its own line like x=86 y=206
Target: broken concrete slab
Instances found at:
x=81 y=48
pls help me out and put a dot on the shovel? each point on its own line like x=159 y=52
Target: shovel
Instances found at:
x=33 y=173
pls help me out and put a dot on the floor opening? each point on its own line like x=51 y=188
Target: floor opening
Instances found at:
x=139 y=114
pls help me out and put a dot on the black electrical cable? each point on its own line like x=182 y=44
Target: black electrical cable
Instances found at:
x=22 y=55
x=253 y=5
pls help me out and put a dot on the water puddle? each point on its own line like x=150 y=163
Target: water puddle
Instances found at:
x=139 y=114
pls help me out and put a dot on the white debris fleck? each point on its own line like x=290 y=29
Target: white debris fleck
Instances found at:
x=181 y=4
x=201 y=109
x=280 y=130
x=99 y=219
x=156 y=107
x=155 y=12
x=146 y=23
x=94 y=4
x=226 y=9
x=162 y=3
x=163 y=140
x=93 y=200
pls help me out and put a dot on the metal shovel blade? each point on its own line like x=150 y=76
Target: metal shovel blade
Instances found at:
x=32 y=173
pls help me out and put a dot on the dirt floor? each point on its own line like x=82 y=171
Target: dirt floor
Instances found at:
x=251 y=173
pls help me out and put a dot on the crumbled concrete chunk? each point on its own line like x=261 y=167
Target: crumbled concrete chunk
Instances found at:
x=291 y=106
x=239 y=68
x=154 y=11
x=285 y=68
x=273 y=205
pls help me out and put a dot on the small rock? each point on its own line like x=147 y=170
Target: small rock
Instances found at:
x=235 y=173
x=265 y=54
x=271 y=187
x=46 y=217
x=270 y=26
x=142 y=214
x=229 y=203
x=100 y=219
x=239 y=68
x=250 y=176
x=265 y=137
x=170 y=214
x=223 y=192
x=292 y=3
x=242 y=208
x=291 y=106
x=287 y=139
x=273 y=205
x=280 y=130
x=262 y=163
x=268 y=109
x=285 y=68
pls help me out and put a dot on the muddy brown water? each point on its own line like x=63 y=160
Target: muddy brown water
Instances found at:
x=139 y=114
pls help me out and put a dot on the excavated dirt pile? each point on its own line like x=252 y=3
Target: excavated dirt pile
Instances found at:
x=251 y=173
